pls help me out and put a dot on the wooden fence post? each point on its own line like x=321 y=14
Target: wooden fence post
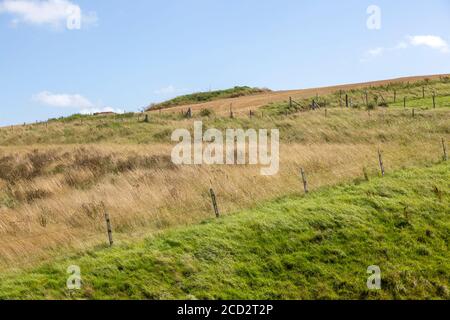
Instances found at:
x=290 y=102
x=444 y=149
x=340 y=98
x=346 y=100
x=214 y=202
x=404 y=102
x=413 y=113
x=366 y=174
x=434 y=100
x=395 y=96
x=231 y=111
x=108 y=226
x=423 y=92
x=380 y=160
x=305 y=181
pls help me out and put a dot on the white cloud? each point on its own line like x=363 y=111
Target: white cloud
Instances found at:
x=55 y=13
x=98 y=110
x=434 y=42
x=75 y=101
x=62 y=100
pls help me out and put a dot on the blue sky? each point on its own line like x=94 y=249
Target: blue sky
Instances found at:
x=128 y=54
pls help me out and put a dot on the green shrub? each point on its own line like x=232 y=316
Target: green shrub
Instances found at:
x=206 y=112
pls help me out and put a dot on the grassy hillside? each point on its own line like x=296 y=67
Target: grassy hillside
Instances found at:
x=131 y=128
x=318 y=246
x=50 y=195
x=200 y=97
x=54 y=176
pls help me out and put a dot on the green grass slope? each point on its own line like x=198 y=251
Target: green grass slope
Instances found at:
x=318 y=246
x=440 y=101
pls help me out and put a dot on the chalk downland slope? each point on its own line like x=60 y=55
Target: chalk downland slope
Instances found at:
x=313 y=247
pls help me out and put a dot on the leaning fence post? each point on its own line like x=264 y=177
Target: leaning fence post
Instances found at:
x=305 y=181
x=108 y=225
x=380 y=160
x=444 y=149
x=214 y=203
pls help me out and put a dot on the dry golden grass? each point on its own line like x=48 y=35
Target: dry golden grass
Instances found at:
x=52 y=197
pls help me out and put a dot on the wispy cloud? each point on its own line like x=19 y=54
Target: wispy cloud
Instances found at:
x=45 y=12
x=62 y=100
x=430 y=41
x=169 y=90
x=98 y=110
x=166 y=90
x=376 y=52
